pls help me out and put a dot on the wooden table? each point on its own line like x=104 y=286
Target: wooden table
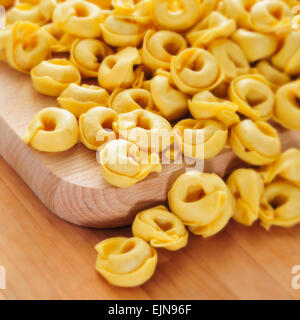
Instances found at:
x=48 y=258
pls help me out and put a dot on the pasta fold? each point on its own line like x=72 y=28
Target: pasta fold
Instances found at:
x=52 y=130
x=125 y=262
x=202 y=201
x=161 y=228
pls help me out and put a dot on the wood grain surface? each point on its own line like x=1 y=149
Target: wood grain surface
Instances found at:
x=48 y=258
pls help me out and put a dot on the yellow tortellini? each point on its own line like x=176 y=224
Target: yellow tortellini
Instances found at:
x=195 y=69
x=175 y=15
x=206 y=7
x=255 y=99
x=123 y=101
x=287 y=105
x=247 y=188
x=280 y=205
x=52 y=77
x=212 y=27
x=255 y=45
x=80 y=99
x=139 y=11
x=159 y=48
x=202 y=201
x=7 y=3
x=287 y=58
x=204 y=105
x=275 y=77
x=26 y=45
x=200 y=139
x=126 y=262
x=161 y=228
x=255 y=142
x=87 y=54
x=60 y=40
x=286 y=167
x=47 y=7
x=239 y=10
x=144 y=128
x=117 y=71
x=25 y=12
x=271 y=16
x=52 y=130
x=171 y=102
x=120 y=32
x=79 y=17
x=95 y=127
x=123 y=164
x=230 y=57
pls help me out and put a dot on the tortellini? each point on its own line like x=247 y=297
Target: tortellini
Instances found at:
x=172 y=103
x=79 y=17
x=275 y=77
x=195 y=69
x=122 y=32
x=139 y=11
x=117 y=71
x=206 y=7
x=254 y=97
x=247 y=187
x=200 y=139
x=280 y=205
x=159 y=48
x=146 y=129
x=239 y=10
x=47 y=7
x=80 y=99
x=175 y=15
x=287 y=58
x=287 y=105
x=95 y=127
x=123 y=164
x=123 y=101
x=25 y=12
x=52 y=77
x=255 y=45
x=26 y=46
x=52 y=130
x=87 y=54
x=202 y=201
x=212 y=27
x=286 y=167
x=255 y=142
x=126 y=262
x=161 y=228
x=60 y=40
x=271 y=16
x=204 y=105
x=230 y=57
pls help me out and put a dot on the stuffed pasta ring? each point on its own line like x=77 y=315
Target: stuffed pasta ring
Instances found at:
x=194 y=70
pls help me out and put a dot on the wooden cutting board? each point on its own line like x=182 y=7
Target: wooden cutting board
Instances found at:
x=70 y=183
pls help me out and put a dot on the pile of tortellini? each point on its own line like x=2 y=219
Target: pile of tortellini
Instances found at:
x=225 y=67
